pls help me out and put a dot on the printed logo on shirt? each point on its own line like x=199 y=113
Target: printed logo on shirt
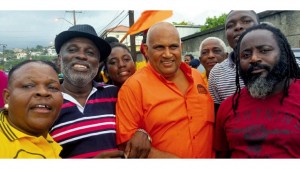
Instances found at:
x=201 y=89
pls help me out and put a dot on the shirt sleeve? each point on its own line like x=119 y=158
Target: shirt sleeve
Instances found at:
x=212 y=85
x=220 y=142
x=128 y=112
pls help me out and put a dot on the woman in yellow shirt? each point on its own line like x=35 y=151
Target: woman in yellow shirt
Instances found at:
x=32 y=103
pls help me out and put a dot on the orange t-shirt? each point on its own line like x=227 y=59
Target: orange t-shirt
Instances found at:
x=178 y=124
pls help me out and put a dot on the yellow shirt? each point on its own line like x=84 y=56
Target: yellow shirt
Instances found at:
x=16 y=144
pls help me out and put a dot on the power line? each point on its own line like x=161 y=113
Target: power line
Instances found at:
x=110 y=23
x=117 y=24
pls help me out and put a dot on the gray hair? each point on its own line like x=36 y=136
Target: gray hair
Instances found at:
x=221 y=42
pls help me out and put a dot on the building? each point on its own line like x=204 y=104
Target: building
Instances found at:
x=185 y=30
x=119 y=32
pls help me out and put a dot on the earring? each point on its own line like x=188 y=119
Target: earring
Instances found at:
x=6 y=106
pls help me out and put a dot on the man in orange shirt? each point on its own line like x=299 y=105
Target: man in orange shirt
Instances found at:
x=168 y=100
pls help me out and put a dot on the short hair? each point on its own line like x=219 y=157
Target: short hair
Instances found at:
x=190 y=55
x=221 y=42
x=255 y=14
x=16 y=67
x=111 y=39
x=114 y=45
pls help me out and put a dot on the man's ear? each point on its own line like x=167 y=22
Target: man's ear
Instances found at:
x=6 y=95
x=59 y=62
x=226 y=55
x=146 y=49
x=200 y=60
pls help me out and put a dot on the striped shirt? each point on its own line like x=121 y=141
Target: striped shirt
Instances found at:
x=221 y=82
x=84 y=132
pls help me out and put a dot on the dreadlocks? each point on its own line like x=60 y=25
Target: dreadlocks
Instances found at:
x=293 y=70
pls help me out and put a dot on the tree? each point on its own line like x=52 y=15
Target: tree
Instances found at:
x=183 y=23
x=214 y=22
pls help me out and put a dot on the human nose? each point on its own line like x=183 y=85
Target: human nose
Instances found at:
x=255 y=57
x=167 y=52
x=211 y=54
x=122 y=63
x=42 y=91
x=239 y=26
x=81 y=55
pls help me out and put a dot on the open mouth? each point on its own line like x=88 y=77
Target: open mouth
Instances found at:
x=41 y=108
x=80 y=67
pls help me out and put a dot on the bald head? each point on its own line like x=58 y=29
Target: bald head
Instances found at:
x=163 y=49
x=159 y=28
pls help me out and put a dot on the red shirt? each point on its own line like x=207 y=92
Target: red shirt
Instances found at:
x=261 y=128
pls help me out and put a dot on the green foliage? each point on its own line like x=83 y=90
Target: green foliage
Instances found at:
x=183 y=23
x=214 y=22
x=12 y=62
x=11 y=58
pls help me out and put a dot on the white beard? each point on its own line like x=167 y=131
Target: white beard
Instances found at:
x=261 y=88
x=77 y=78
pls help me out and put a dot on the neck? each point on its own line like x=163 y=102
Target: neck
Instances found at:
x=79 y=93
x=279 y=87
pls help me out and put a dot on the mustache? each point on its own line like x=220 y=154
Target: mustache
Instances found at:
x=254 y=66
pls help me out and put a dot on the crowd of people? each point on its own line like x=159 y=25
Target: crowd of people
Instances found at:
x=244 y=105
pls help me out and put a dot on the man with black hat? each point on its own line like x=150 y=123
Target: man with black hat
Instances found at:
x=85 y=127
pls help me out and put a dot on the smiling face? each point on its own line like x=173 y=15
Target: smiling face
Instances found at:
x=187 y=59
x=236 y=23
x=211 y=53
x=79 y=60
x=34 y=98
x=164 y=49
x=120 y=65
x=261 y=66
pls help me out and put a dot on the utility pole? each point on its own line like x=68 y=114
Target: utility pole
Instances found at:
x=74 y=15
x=3 y=48
x=132 y=37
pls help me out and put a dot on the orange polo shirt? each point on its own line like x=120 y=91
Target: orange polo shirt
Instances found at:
x=178 y=124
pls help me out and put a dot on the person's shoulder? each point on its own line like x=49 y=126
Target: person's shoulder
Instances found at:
x=3 y=75
x=140 y=75
x=107 y=87
x=196 y=71
x=220 y=69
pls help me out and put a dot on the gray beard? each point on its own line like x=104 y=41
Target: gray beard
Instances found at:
x=261 y=87
x=78 y=79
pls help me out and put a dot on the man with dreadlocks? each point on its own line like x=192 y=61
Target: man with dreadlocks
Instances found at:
x=262 y=120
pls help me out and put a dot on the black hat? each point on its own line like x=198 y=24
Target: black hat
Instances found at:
x=86 y=31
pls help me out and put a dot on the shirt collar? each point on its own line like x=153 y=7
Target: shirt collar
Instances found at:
x=12 y=133
x=230 y=59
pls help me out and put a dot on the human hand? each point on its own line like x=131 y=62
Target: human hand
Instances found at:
x=111 y=154
x=138 y=146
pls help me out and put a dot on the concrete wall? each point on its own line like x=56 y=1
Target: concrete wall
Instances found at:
x=287 y=21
